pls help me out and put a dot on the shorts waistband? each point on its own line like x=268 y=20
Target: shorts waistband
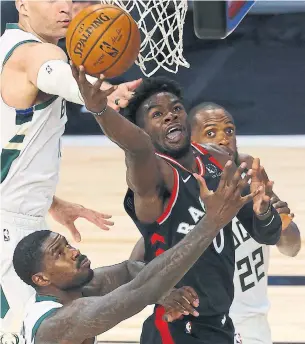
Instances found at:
x=34 y=222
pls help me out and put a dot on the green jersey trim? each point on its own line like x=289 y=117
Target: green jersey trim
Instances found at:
x=7 y=158
x=12 y=26
x=4 y=303
x=40 y=320
x=9 y=54
x=40 y=298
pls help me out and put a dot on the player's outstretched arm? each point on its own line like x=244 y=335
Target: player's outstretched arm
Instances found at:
x=138 y=251
x=259 y=218
x=90 y=316
x=147 y=175
x=290 y=240
x=45 y=68
x=177 y=302
x=108 y=278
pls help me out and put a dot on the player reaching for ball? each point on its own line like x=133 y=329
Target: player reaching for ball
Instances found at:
x=211 y=123
x=164 y=201
x=75 y=303
x=36 y=81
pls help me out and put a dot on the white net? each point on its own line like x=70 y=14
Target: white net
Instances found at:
x=161 y=26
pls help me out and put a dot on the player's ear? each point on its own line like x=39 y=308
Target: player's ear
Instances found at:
x=22 y=6
x=40 y=279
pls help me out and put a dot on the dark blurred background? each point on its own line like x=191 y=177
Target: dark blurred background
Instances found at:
x=257 y=73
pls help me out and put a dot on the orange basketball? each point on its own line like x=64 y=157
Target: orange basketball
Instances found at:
x=104 y=39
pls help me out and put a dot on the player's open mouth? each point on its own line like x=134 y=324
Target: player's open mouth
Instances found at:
x=174 y=133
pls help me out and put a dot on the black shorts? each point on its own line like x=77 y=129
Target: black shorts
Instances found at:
x=189 y=330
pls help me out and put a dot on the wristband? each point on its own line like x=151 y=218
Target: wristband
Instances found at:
x=266 y=212
x=101 y=112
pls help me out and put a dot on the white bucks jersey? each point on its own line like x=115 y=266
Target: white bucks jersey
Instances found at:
x=30 y=143
x=250 y=277
x=35 y=314
x=44 y=307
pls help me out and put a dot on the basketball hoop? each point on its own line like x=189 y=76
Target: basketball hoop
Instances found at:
x=161 y=26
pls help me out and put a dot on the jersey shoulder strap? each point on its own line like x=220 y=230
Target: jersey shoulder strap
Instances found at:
x=36 y=313
x=12 y=38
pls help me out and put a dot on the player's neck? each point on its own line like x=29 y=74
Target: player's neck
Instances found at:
x=25 y=26
x=61 y=296
x=188 y=161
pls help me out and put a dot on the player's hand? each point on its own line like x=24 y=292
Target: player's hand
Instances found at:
x=261 y=202
x=180 y=302
x=282 y=208
x=67 y=213
x=120 y=97
x=94 y=97
x=223 y=204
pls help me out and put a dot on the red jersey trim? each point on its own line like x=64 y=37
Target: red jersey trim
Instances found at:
x=162 y=326
x=198 y=162
x=205 y=152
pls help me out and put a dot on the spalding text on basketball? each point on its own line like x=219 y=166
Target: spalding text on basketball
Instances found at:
x=80 y=45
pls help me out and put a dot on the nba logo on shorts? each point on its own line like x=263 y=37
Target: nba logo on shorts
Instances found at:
x=6 y=235
x=188 y=327
x=237 y=338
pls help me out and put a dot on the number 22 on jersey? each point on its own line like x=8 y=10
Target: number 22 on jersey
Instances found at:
x=249 y=257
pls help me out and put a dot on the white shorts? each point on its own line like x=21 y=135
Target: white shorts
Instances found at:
x=254 y=330
x=15 y=294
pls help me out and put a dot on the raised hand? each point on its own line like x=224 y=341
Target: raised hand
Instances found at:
x=223 y=204
x=121 y=96
x=282 y=208
x=180 y=302
x=94 y=98
x=261 y=202
x=66 y=213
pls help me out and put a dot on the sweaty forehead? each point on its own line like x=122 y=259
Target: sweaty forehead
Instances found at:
x=159 y=99
x=51 y=241
x=217 y=115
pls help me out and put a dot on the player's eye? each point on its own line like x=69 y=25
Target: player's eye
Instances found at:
x=156 y=114
x=177 y=108
x=230 y=131
x=210 y=133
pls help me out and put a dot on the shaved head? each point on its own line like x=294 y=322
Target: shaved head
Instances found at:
x=47 y=20
x=211 y=123
x=206 y=110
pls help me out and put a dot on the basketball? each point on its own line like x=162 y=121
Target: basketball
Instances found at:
x=104 y=39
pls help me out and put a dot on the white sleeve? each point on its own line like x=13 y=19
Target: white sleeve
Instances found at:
x=55 y=77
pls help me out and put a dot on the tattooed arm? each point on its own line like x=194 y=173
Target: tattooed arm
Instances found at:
x=89 y=316
x=177 y=302
x=107 y=279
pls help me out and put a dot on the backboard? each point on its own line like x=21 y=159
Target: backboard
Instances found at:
x=217 y=19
